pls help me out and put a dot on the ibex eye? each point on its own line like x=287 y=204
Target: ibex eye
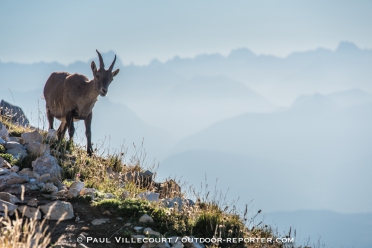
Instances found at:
x=97 y=76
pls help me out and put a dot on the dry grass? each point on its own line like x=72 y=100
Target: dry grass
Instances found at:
x=23 y=232
x=209 y=217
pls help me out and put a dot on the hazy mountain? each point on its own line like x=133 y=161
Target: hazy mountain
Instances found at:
x=199 y=102
x=308 y=150
x=330 y=228
x=160 y=93
x=351 y=97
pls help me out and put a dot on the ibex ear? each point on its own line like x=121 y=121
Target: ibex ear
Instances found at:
x=116 y=72
x=93 y=66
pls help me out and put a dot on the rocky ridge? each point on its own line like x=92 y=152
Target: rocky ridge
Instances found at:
x=45 y=176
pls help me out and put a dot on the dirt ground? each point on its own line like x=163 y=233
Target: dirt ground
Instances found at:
x=66 y=233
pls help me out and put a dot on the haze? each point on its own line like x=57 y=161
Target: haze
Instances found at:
x=272 y=98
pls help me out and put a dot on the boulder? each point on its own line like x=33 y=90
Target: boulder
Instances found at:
x=16 y=189
x=26 y=171
x=58 y=210
x=31 y=137
x=14 y=178
x=4 y=134
x=7 y=205
x=37 y=148
x=97 y=222
x=47 y=164
x=4 y=171
x=50 y=188
x=30 y=212
x=14 y=168
x=16 y=139
x=13 y=145
x=18 y=152
x=9 y=198
x=2 y=142
x=149 y=231
x=33 y=202
x=146 y=218
x=16 y=113
x=45 y=178
x=75 y=189
x=150 y=196
x=177 y=202
x=52 y=134
x=169 y=189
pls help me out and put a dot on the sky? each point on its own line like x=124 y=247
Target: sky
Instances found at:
x=140 y=31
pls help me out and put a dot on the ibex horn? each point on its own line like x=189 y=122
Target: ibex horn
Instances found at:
x=101 y=64
x=112 y=65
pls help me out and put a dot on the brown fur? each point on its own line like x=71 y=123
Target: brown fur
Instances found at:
x=71 y=97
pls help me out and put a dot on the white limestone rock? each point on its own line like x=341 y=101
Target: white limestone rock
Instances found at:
x=58 y=210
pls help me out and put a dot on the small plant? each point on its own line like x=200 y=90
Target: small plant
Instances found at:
x=2 y=149
x=9 y=157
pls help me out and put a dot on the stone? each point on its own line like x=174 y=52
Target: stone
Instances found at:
x=14 y=178
x=9 y=198
x=36 y=175
x=109 y=196
x=30 y=137
x=88 y=192
x=146 y=218
x=16 y=189
x=50 y=187
x=58 y=210
x=16 y=139
x=52 y=135
x=7 y=205
x=4 y=132
x=2 y=142
x=16 y=113
x=37 y=149
x=149 y=231
x=61 y=193
x=150 y=196
x=26 y=172
x=47 y=164
x=30 y=212
x=4 y=171
x=45 y=178
x=32 y=186
x=18 y=153
x=13 y=145
x=106 y=212
x=177 y=202
x=33 y=202
x=138 y=228
x=14 y=168
x=169 y=189
x=97 y=222
x=75 y=189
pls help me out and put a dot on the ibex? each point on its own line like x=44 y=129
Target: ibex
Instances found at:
x=71 y=97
